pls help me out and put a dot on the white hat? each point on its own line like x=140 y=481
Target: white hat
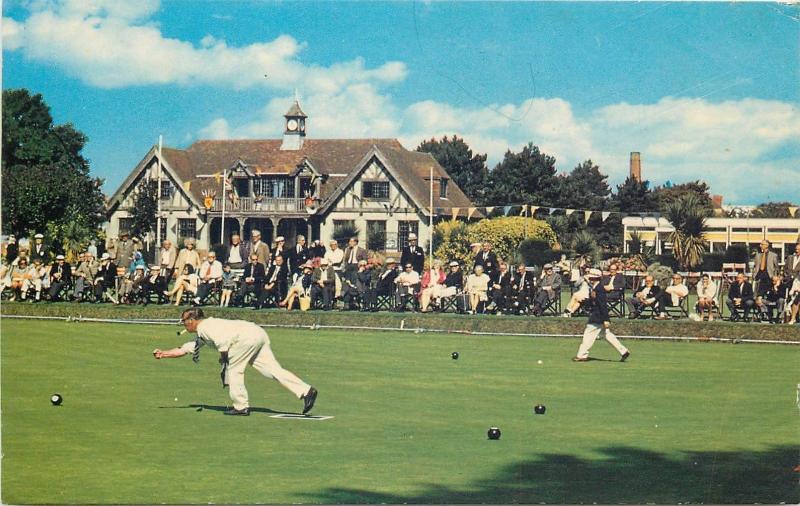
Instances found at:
x=594 y=273
x=453 y=264
x=140 y=267
x=391 y=260
x=280 y=239
x=362 y=262
x=60 y=257
x=548 y=266
x=412 y=237
x=38 y=236
x=105 y=256
x=324 y=261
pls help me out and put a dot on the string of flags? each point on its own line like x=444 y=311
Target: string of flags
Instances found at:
x=531 y=210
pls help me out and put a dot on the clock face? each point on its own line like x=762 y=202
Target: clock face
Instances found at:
x=292 y=124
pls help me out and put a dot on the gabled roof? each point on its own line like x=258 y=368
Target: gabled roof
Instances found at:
x=337 y=160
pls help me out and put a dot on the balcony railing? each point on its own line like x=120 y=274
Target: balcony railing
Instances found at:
x=267 y=205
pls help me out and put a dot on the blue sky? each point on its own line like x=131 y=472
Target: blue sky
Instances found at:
x=702 y=90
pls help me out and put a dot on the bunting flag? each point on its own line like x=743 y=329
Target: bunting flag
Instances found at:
x=470 y=212
x=217 y=177
x=586 y=216
x=605 y=215
x=455 y=211
x=792 y=211
x=550 y=210
x=187 y=185
x=569 y=211
x=506 y=209
x=524 y=210
x=533 y=210
x=489 y=210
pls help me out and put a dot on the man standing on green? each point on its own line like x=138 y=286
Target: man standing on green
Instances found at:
x=598 y=324
x=239 y=343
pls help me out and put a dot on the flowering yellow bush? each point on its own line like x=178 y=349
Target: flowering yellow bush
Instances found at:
x=505 y=234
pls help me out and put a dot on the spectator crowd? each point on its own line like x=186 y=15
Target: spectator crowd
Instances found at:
x=302 y=276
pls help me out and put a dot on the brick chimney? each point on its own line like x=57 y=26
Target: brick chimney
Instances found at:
x=716 y=201
x=636 y=166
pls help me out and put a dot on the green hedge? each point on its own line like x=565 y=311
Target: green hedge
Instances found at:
x=448 y=321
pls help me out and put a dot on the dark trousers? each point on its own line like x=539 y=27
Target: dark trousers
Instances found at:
x=245 y=288
x=55 y=289
x=203 y=289
x=326 y=293
x=763 y=282
x=746 y=304
x=274 y=293
x=635 y=306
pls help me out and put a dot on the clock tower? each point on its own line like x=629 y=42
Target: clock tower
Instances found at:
x=294 y=131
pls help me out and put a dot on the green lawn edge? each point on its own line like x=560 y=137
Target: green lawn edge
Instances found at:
x=448 y=322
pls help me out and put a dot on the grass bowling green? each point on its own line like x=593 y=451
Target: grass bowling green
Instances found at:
x=678 y=422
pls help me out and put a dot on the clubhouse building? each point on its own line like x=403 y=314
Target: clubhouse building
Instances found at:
x=291 y=186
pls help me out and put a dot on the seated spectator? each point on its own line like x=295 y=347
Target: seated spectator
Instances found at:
x=477 y=288
x=187 y=282
x=275 y=283
x=740 y=297
x=236 y=253
x=549 y=289
x=706 y=297
x=124 y=285
x=60 y=277
x=104 y=279
x=324 y=285
x=300 y=288
x=138 y=289
x=578 y=297
x=335 y=256
x=83 y=276
x=407 y=285
x=501 y=288
x=138 y=260
x=40 y=275
x=355 y=287
x=228 y=285
x=671 y=296
x=433 y=283
x=5 y=280
x=646 y=296
x=614 y=283
x=564 y=265
x=252 y=279
x=210 y=275
x=454 y=282
x=317 y=250
x=771 y=303
x=793 y=300
x=153 y=284
x=384 y=284
x=523 y=288
x=20 y=279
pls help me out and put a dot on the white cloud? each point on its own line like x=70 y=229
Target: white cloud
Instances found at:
x=111 y=44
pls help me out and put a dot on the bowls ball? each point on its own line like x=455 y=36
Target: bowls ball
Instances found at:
x=454 y=355
x=539 y=409
x=493 y=433
x=56 y=399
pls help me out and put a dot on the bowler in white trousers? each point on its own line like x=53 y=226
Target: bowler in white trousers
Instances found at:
x=598 y=324
x=239 y=343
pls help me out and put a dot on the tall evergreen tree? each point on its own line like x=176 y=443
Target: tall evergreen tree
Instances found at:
x=635 y=197
x=525 y=177
x=667 y=195
x=585 y=188
x=46 y=182
x=468 y=170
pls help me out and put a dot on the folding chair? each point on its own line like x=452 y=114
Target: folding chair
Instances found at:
x=616 y=304
x=553 y=306
x=681 y=310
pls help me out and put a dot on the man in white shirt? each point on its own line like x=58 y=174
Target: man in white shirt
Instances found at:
x=239 y=343
x=210 y=273
x=167 y=256
x=671 y=296
x=407 y=282
x=335 y=256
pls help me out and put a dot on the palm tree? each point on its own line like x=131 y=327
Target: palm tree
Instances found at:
x=688 y=217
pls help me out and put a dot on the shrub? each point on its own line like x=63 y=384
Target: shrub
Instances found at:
x=344 y=232
x=666 y=260
x=737 y=254
x=712 y=262
x=538 y=252
x=585 y=245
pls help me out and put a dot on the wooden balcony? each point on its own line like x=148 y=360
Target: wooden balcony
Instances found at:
x=265 y=206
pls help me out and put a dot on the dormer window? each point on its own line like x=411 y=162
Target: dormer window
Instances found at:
x=443 y=188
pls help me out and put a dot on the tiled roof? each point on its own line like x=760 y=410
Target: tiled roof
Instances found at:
x=335 y=158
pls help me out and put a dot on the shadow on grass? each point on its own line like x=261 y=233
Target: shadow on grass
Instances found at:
x=210 y=407
x=621 y=475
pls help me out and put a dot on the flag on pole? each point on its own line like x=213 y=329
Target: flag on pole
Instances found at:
x=792 y=211
x=470 y=212
x=586 y=216
x=605 y=215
